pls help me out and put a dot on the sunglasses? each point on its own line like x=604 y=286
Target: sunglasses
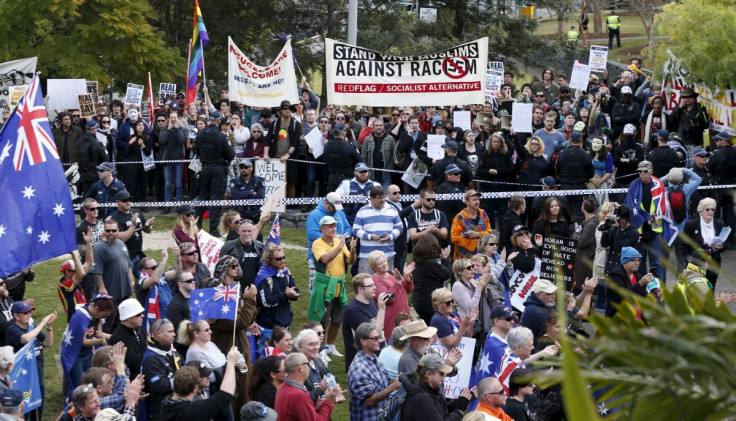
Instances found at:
x=339 y=118
x=235 y=266
x=256 y=131
x=539 y=96
x=188 y=281
x=284 y=108
x=394 y=115
x=278 y=259
x=189 y=214
x=152 y=268
x=160 y=121
x=124 y=200
x=191 y=253
x=394 y=193
x=105 y=121
x=324 y=122
x=492 y=244
x=448 y=303
x=375 y=338
x=430 y=199
x=501 y=392
x=468 y=268
x=111 y=231
x=321 y=333
x=92 y=209
x=76 y=116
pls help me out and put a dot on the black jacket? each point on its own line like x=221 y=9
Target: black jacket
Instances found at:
x=509 y=221
x=203 y=409
x=692 y=230
x=407 y=144
x=620 y=278
x=437 y=172
x=616 y=239
x=427 y=404
x=90 y=154
x=159 y=366
x=135 y=341
x=428 y=276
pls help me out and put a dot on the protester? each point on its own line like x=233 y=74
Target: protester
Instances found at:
x=469 y=225
x=395 y=285
x=279 y=343
x=130 y=333
x=431 y=271
x=492 y=397
x=292 y=400
x=424 y=392
x=268 y=375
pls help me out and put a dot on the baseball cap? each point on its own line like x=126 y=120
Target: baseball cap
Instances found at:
x=130 y=308
x=418 y=329
x=626 y=90
x=254 y=411
x=245 y=162
x=450 y=144
x=11 y=398
x=173 y=106
x=204 y=371
x=185 y=210
x=675 y=176
x=644 y=166
x=549 y=182
x=663 y=134
x=722 y=135
x=501 y=312
x=470 y=193
x=214 y=115
x=518 y=228
x=360 y=167
x=434 y=362
x=92 y=124
x=653 y=284
x=543 y=285
x=106 y=166
x=123 y=194
x=338 y=128
x=67 y=265
x=628 y=254
x=335 y=199
x=440 y=123
x=327 y=220
x=629 y=129
x=575 y=136
x=564 y=89
x=701 y=152
x=21 y=307
x=452 y=169
x=100 y=297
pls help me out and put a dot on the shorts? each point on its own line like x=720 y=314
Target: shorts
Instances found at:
x=333 y=312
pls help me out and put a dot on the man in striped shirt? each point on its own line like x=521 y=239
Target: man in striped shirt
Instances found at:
x=377 y=225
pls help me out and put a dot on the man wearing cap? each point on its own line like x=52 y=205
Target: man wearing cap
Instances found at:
x=340 y=157
x=452 y=185
x=105 y=189
x=256 y=411
x=722 y=165
x=171 y=140
x=627 y=111
x=574 y=169
x=502 y=319
x=626 y=276
x=332 y=259
x=90 y=154
x=663 y=158
x=699 y=165
x=437 y=172
x=130 y=333
x=204 y=379
x=293 y=402
x=13 y=405
x=376 y=225
x=23 y=331
x=132 y=224
x=368 y=382
x=152 y=287
x=215 y=153
x=248 y=187
x=66 y=137
x=420 y=338
x=427 y=220
x=468 y=226
x=283 y=142
x=330 y=206
x=378 y=152
x=689 y=119
x=358 y=186
x=682 y=180
x=248 y=250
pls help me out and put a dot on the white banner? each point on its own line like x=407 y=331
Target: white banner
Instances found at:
x=358 y=76
x=209 y=249
x=454 y=385
x=63 y=93
x=520 y=285
x=15 y=73
x=274 y=177
x=580 y=76
x=720 y=103
x=259 y=86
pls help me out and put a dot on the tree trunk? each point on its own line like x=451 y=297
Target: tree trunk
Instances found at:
x=652 y=29
x=461 y=10
x=597 y=19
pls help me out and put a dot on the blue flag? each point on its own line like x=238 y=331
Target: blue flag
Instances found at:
x=215 y=303
x=24 y=377
x=37 y=220
x=274 y=236
x=71 y=343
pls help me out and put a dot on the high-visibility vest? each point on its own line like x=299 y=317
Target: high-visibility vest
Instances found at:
x=572 y=35
x=614 y=22
x=657 y=224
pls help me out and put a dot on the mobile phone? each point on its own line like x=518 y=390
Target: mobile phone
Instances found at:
x=653 y=271
x=388 y=296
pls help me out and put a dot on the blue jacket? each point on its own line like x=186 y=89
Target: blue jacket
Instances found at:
x=105 y=194
x=313 y=231
x=534 y=315
x=688 y=188
x=253 y=189
x=274 y=307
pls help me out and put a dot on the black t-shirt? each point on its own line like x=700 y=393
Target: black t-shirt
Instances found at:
x=135 y=242
x=434 y=217
x=249 y=265
x=97 y=230
x=377 y=152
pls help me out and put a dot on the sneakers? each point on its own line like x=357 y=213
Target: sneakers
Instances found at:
x=331 y=350
x=324 y=357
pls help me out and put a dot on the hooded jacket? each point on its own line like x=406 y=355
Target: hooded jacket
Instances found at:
x=428 y=404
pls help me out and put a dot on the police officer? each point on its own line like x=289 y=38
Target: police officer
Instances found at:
x=215 y=153
x=572 y=36
x=574 y=169
x=722 y=165
x=663 y=158
x=360 y=185
x=105 y=189
x=451 y=185
x=340 y=156
x=248 y=186
x=614 y=28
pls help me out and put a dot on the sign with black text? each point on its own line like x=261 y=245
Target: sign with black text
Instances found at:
x=558 y=258
x=94 y=90
x=134 y=95
x=86 y=106
x=273 y=173
x=166 y=90
x=260 y=86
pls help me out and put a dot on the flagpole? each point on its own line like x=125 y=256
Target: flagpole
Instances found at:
x=204 y=75
x=235 y=322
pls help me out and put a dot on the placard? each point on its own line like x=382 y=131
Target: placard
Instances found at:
x=259 y=86
x=134 y=95
x=494 y=78
x=454 y=385
x=434 y=146
x=598 y=58
x=273 y=173
x=521 y=117
x=359 y=76
x=580 y=76
x=558 y=255
x=520 y=285
x=94 y=90
x=315 y=141
x=209 y=249
x=63 y=93
x=461 y=119
x=16 y=73
x=86 y=106
x=166 y=90
x=16 y=93
x=414 y=175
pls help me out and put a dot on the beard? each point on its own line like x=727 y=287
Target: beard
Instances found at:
x=110 y=240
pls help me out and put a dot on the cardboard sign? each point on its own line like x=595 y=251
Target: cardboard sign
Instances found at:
x=63 y=93
x=521 y=284
x=134 y=95
x=558 y=258
x=94 y=90
x=86 y=106
x=598 y=58
x=166 y=90
x=274 y=176
x=414 y=175
x=455 y=384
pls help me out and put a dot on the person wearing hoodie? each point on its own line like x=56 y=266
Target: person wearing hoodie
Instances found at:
x=159 y=364
x=425 y=399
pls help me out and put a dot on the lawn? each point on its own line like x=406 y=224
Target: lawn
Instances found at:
x=43 y=289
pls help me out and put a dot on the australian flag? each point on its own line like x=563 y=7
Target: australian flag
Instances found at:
x=215 y=303
x=24 y=377
x=274 y=236
x=662 y=213
x=37 y=221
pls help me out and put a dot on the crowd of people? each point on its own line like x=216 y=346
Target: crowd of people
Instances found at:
x=131 y=348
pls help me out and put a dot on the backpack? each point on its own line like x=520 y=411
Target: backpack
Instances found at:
x=393 y=407
x=678 y=205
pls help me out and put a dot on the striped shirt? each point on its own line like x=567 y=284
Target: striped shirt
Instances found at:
x=370 y=221
x=509 y=363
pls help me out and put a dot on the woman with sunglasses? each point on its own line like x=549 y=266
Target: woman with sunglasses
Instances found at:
x=105 y=134
x=268 y=374
x=230 y=223
x=523 y=254
x=254 y=145
x=703 y=232
x=276 y=290
x=186 y=229
x=450 y=326
x=198 y=337
x=467 y=290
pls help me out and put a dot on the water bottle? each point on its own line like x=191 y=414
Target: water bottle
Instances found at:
x=331 y=382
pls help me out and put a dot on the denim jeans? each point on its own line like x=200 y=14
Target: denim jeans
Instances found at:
x=652 y=249
x=316 y=172
x=173 y=173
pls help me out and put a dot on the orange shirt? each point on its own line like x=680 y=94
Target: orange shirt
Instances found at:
x=498 y=413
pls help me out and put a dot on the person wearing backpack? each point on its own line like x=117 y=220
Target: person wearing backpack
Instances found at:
x=680 y=184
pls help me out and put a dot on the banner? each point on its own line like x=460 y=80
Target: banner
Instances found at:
x=134 y=95
x=358 y=76
x=720 y=103
x=63 y=93
x=94 y=90
x=259 y=86
x=274 y=177
x=86 y=106
x=558 y=254
x=520 y=285
x=209 y=249
x=454 y=385
x=166 y=90
x=15 y=73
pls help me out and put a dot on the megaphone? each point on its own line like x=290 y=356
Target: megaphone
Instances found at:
x=484 y=119
x=506 y=122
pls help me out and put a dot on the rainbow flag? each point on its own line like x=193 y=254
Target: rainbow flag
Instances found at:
x=196 y=59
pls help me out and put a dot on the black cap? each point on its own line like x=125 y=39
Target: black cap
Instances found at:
x=123 y=194
x=204 y=371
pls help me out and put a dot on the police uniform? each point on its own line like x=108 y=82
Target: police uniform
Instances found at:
x=340 y=157
x=614 y=28
x=215 y=153
x=252 y=189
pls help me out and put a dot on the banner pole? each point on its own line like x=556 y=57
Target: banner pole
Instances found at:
x=204 y=75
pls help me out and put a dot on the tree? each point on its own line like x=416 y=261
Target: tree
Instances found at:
x=701 y=34
x=91 y=39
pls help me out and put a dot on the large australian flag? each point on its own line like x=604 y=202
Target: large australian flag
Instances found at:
x=37 y=218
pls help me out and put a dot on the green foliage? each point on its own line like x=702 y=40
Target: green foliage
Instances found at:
x=676 y=363
x=705 y=50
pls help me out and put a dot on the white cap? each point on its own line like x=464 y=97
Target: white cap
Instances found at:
x=335 y=199
x=130 y=308
x=626 y=90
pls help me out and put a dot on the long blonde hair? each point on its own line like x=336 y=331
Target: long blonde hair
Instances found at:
x=528 y=146
x=191 y=232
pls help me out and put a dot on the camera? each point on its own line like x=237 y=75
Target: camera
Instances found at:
x=388 y=296
x=612 y=220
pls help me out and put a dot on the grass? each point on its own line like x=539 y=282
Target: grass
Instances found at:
x=630 y=24
x=43 y=289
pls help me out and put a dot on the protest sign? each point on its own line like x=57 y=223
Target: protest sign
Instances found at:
x=521 y=117
x=720 y=103
x=94 y=90
x=461 y=119
x=358 y=76
x=558 y=258
x=16 y=93
x=520 y=285
x=273 y=173
x=454 y=385
x=16 y=73
x=494 y=78
x=166 y=90
x=434 y=146
x=259 y=86
x=134 y=95
x=414 y=175
x=86 y=106
x=63 y=93
x=598 y=58
x=209 y=249
x=580 y=76
x=315 y=141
